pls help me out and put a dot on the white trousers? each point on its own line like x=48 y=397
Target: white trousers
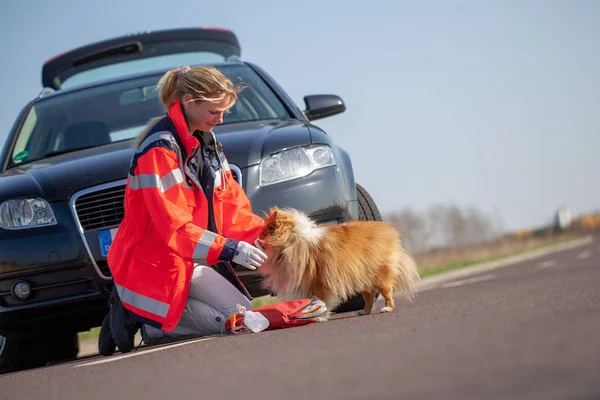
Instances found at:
x=212 y=299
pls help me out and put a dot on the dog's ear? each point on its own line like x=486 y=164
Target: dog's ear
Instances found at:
x=273 y=213
x=271 y=220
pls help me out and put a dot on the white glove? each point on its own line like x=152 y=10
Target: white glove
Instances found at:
x=248 y=256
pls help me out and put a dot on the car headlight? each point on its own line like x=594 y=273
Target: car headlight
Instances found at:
x=294 y=163
x=25 y=213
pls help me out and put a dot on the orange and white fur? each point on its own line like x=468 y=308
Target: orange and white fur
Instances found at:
x=335 y=262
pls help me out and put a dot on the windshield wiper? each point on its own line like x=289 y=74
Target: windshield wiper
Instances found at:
x=59 y=152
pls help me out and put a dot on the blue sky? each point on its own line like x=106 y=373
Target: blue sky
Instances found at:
x=493 y=104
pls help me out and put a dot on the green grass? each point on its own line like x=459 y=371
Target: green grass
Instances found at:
x=264 y=301
x=91 y=334
x=462 y=264
x=466 y=263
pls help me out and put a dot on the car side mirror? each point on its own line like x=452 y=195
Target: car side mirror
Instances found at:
x=323 y=105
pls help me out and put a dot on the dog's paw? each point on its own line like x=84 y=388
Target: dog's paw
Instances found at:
x=363 y=312
x=386 y=309
x=322 y=319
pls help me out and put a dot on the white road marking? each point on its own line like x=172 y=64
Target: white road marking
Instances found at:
x=583 y=255
x=433 y=282
x=470 y=280
x=139 y=353
x=546 y=264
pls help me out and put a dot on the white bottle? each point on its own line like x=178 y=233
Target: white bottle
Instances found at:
x=254 y=320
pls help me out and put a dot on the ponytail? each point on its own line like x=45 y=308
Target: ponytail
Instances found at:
x=169 y=87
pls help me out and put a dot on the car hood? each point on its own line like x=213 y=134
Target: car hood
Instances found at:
x=245 y=143
x=58 y=178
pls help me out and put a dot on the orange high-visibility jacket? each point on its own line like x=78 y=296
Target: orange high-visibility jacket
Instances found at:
x=165 y=228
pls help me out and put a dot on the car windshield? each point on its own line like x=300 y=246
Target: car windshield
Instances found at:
x=119 y=111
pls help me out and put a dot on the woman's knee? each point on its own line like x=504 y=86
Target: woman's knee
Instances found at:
x=202 y=317
x=211 y=288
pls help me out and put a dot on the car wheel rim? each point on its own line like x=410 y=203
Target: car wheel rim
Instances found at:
x=2 y=344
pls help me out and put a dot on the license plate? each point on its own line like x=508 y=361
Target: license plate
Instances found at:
x=106 y=236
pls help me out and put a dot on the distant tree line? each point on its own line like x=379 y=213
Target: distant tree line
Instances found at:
x=445 y=226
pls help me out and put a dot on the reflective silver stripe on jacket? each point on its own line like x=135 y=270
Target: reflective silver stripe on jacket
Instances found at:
x=166 y=135
x=203 y=246
x=149 y=181
x=142 y=302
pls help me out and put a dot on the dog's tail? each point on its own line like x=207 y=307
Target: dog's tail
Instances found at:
x=407 y=274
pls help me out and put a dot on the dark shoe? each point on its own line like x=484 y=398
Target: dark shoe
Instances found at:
x=122 y=325
x=145 y=337
x=106 y=342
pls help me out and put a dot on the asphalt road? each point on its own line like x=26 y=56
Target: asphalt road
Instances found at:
x=526 y=331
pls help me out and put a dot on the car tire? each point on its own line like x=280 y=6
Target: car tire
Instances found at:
x=64 y=347
x=367 y=211
x=19 y=354
x=8 y=355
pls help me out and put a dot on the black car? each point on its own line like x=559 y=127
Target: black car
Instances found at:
x=65 y=162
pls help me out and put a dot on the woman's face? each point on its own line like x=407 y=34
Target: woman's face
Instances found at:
x=204 y=115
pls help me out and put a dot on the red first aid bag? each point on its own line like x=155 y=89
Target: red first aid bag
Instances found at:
x=285 y=314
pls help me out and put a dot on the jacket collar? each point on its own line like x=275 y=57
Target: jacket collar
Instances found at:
x=176 y=114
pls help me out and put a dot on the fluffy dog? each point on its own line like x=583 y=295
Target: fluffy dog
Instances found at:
x=335 y=262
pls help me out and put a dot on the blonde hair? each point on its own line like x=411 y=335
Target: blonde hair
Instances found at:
x=203 y=83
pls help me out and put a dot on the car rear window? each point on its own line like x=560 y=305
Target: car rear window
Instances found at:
x=147 y=64
x=120 y=111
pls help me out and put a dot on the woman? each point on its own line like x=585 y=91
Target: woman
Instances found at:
x=184 y=213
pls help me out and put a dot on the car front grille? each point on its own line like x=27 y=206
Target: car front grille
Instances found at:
x=103 y=267
x=101 y=209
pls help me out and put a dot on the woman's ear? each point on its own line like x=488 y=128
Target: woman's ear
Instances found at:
x=187 y=98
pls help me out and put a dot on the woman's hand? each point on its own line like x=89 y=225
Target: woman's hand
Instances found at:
x=248 y=256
